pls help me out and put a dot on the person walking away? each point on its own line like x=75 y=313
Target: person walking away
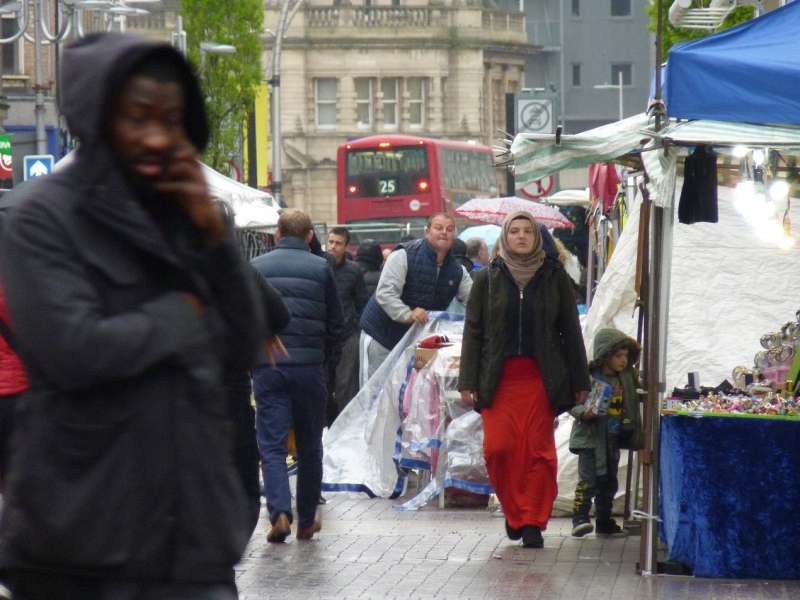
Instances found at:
x=522 y=363
x=478 y=252
x=130 y=302
x=370 y=258
x=353 y=297
x=599 y=432
x=419 y=276
x=292 y=394
x=239 y=387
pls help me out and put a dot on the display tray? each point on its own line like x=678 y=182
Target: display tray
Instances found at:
x=700 y=414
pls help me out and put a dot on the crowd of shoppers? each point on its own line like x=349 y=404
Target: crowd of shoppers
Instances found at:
x=133 y=333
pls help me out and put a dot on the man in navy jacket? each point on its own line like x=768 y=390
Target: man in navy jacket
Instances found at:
x=292 y=394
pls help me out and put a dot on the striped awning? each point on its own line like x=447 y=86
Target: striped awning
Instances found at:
x=538 y=155
x=723 y=133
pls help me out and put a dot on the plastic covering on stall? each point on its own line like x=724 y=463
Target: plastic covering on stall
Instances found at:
x=363 y=447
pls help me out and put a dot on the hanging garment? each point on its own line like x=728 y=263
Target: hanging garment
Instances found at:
x=699 y=194
x=603 y=183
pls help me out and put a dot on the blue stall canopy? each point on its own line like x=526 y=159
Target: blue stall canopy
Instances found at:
x=748 y=74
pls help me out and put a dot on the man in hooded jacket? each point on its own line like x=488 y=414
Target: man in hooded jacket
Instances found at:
x=130 y=304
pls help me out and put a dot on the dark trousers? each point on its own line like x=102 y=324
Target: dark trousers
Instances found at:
x=29 y=585
x=600 y=488
x=8 y=406
x=291 y=397
x=343 y=379
x=246 y=448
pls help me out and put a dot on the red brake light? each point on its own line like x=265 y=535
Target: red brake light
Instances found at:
x=352 y=189
x=423 y=186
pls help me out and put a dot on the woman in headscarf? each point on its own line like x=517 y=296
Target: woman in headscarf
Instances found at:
x=522 y=363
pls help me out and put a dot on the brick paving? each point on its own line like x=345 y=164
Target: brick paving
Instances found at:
x=368 y=550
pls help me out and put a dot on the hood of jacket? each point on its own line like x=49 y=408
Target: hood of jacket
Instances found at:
x=370 y=254
x=607 y=341
x=93 y=71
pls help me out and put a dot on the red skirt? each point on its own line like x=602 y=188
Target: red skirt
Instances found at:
x=519 y=445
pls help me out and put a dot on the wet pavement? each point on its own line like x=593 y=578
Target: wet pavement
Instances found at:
x=369 y=550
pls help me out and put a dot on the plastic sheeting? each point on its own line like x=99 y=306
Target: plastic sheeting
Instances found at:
x=364 y=446
x=728 y=288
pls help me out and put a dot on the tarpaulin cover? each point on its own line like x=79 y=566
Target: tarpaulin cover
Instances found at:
x=747 y=74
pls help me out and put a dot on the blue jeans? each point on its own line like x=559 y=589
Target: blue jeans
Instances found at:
x=290 y=397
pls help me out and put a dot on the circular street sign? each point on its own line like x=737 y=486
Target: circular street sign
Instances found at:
x=539 y=188
x=535 y=116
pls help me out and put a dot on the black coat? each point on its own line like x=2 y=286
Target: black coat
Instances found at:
x=352 y=293
x=554 y=333
x=122 y=461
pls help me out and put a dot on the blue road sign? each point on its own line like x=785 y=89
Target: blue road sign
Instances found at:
x=37 y=165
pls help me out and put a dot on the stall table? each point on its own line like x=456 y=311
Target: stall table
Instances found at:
x=730 y=490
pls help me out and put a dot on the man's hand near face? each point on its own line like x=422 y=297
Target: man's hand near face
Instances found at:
x=184 y=182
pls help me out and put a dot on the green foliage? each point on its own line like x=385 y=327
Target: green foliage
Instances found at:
x=674 y=36
x=229 y=81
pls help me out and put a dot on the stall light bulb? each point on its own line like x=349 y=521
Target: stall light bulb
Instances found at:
x=779 y=190
x=740 y=151
x=786 y=242
x=758 y=158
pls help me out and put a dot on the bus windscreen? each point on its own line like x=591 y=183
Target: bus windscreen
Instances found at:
x=389 y=172
x=468 y=171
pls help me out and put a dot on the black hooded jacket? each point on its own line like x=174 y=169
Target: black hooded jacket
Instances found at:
x=370 y=258
x=122 y=459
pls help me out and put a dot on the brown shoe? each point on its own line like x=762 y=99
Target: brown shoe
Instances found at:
x=280 y=530
x=306 y=533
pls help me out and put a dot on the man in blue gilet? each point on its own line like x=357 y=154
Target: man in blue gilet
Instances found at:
x=419 y=276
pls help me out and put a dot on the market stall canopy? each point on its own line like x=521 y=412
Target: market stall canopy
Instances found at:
x=537 y=155
x=253 y=208
x=495 y=210
x=746 y=74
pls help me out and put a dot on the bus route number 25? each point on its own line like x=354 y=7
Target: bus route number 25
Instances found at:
x=387 y=187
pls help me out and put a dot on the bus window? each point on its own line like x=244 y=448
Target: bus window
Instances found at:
x=390 y=172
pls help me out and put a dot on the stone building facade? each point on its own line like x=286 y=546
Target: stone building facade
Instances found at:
x=438 y=69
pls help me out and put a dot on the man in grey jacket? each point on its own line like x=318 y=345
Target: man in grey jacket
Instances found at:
x=130 y=304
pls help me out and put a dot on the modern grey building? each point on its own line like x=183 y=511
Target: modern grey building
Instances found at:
x=588 y=43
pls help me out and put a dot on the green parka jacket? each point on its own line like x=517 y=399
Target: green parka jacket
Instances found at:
x=558 y=344
x=592 y=434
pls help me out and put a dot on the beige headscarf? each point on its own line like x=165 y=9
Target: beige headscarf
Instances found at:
x=522 y=266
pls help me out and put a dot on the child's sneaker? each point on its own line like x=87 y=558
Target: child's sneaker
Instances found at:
x=582 y=528
x=610 y=528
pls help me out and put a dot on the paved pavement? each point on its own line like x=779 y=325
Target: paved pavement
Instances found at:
x=368 y=550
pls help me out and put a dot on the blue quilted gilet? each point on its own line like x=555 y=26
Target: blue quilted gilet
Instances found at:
x=423 y=289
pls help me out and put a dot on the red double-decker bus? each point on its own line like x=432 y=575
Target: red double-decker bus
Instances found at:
x=388 y=185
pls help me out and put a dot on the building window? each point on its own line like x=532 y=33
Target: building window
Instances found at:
x=325 y=91
x=364 y=102
x=416 y=101
x=576 y=75
x=9 y=51
x=390 y=88
x=620 y=8
x=626 y=70
x=576 y=8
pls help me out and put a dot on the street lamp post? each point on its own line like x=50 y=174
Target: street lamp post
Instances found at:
x=618 y=86
x=213 y=48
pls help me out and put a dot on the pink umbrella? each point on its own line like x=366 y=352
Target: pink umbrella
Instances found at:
x=494 y=210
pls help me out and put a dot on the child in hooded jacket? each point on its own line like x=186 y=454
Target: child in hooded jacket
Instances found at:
x=597 y=437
